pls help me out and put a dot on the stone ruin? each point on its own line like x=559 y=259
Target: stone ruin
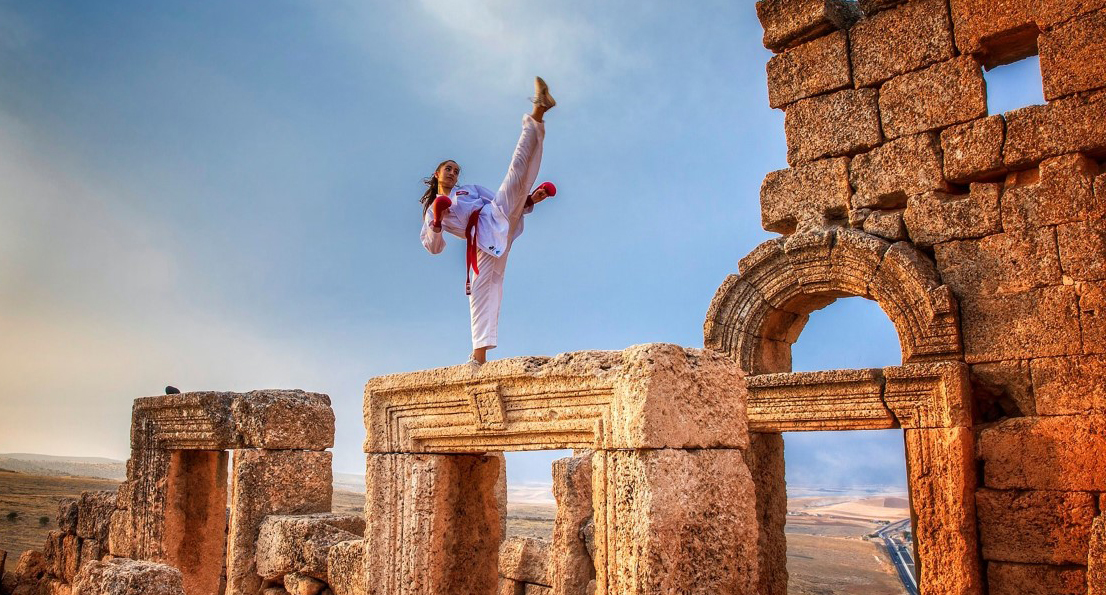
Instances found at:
x=981 y=236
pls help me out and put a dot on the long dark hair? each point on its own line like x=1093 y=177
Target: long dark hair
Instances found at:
x=432 y=186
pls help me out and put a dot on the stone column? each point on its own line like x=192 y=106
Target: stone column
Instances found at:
x=765 y=460
x=940 y=466
x=433 y=524
x=195 y=518
x=267 y=482
x=674 y=521
x=570 y=563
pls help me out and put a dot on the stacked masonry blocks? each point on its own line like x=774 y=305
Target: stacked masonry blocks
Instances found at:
x=662 y=504
x=888 y=132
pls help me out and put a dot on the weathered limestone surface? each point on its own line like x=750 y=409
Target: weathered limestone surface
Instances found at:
x=570 y=565
x=940 y=95
x=1045 y=453
x=195 y=518
x=1000 y=264
x=264 y=483
x=433 y=524
x=788 y=23
x=1092 y=317
x=935 y=217
x=284 y=419
x=1073 y=56
x=1067 y=125
x=345 y=568
x=831 y=125
x=526 y=560
x=941 y=470
x=1006 y=578
x=830 y=400
x=900 y=40
x=1096 y=557
x=1002 y=32
x=301 y=543
x=886 y=176
x=1069 y=385
x=532 y=589
x=764 y=457
x=67 y=515
x=1035 y=527
x=886 y=224
x=647 y=396
x=675 y=521
x=1082 y=246
x=122 y=576
x=1007 y=383
x=95 y=514
x=813 y=68
x=299 y=584
x=1062 y=194
x=806 y=195
x=973 y=150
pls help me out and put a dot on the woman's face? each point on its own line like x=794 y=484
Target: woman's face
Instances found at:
x=448 y=173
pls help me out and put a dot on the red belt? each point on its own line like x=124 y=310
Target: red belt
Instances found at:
x=471 y=250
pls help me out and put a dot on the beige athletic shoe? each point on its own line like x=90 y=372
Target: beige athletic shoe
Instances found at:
x=541 y=94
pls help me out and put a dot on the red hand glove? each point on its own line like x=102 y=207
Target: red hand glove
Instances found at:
x=440 y=206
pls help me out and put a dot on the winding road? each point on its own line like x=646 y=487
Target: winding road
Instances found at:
x=900 y=553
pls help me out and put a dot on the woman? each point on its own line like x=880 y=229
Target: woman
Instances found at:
x=488 y=222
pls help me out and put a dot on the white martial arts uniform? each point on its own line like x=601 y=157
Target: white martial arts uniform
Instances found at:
x=499 y=223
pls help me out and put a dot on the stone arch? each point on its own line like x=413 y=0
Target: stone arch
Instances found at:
x=757 y=315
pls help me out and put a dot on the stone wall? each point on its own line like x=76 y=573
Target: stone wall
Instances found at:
x=891 y=150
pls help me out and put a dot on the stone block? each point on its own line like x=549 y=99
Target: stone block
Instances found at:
x=1083 y=249
x=94 y=518
x=1070 y=385
x=1035 y=527
x=345 y=567
x=52 y=553
x=299 y=584
x=122 y=576
x=935 y=217
x=788 y=23
x=510 y=587
x=90 y=550
x=646 y=396
x=1073 y=56
x=433 y=523
x=1033 y=323
x=70 y=557
x=813 y=68
x=973 y=150
x=55 y=587
x=570 y=563
x=1092 y=316
x=941 y=466
x=1045 y=453
x=831 y=125
x=1002 y=32
x=1006 y=578
x=120 y=534
x=67 y=515
x=1068 y=125
x=537 y=590
x=32 y=566
x=900 y=40
x=823 y=400
x=194 y=421
x=886 y=224
x=284 y=419
x=946 y=93
x=264 y=483
x=675 y=521
x=886 y=176
x=1096 y=557
x=1000 y=264
x=195 y=526
x=1063 y=193
x=526 y=560
x=301 y=543
x=764 y=457
x=814 y=193
x=1006 y=384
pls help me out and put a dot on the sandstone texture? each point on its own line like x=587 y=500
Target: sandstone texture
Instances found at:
x=1063 y=193
x=1007 y=383
x=299 y=584
x=903 y=39
x=1006 y=578
x=807 y=195
x=345 y=567
x=885 y=177
x=1082 y=245
x=128 y=577
x=764 y=458
x=813 y=68
x=570 y=563
x=946 y=93
x=1045 y=453
x=1035 y=527
x=973 y=151
x=279 y=419
x=831 y=125
x=1096 y=557
x=788 y=23
x=1073 y=56
x=886 y=224
x=525 y=560
x=301 y=543
x=1068 y=125
x=935 y=217
x=1069 y=385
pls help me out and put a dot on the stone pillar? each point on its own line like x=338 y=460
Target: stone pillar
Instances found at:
x=1096 y=557
x=433 y=524
x=195 y=518
x=267 y=482
x=940 y=466
x=674 y=521
x=765 y=460
x=570 y=564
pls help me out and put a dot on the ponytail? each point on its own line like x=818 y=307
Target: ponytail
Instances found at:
x=432 y=187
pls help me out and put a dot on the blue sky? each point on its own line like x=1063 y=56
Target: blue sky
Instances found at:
x=224 y=196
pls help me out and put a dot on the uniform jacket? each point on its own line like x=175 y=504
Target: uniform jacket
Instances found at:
x=493 y=228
